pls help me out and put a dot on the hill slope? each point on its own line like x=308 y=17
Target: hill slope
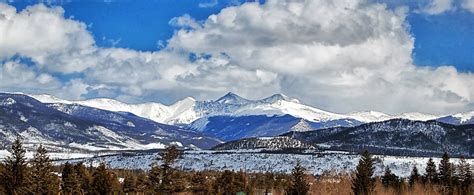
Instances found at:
x=396 y=136
x=70 y=126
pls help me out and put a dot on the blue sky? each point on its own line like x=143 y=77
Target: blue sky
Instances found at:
x=342 y=56
x=442 y=39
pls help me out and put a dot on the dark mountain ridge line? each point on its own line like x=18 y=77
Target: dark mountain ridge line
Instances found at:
x=436 y=138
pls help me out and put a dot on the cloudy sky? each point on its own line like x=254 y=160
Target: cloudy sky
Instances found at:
x=342 y=56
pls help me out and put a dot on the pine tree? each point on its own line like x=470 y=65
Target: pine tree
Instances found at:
x=364 y=182
x=169 y=156
x=414 y=177
x=84 y=177
x=388 y=178
x=240 y=182
x=154 y=177
x=199 y=183
x=102 y=181
x=14 y=175
x=165 y=178
x=464 y=176
x=70 y=182
x=129 y=183
x=431 y=176
x=265 y=181
x=445 y=173
x=43 y=180
x=225 y=183
x=142 y=182
x=299 y=185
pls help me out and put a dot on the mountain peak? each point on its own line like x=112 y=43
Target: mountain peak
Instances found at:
x=232 y=98
x=277 y=97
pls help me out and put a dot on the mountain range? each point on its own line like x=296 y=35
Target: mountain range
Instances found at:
x=232 y=117
x=189 y=109
x=61 y=127
x=107 y=124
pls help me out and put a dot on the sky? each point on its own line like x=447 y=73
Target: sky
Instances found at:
x=341 y=56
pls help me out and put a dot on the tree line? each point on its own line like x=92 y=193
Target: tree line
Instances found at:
x=40 y=176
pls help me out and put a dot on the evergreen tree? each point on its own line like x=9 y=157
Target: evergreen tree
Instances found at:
x=169 y=156
x=389 y=179
x=142 y=182
x=431 y=175
x=414 y=177
x=225 y=183
x=299 y=185
x=240 y=182
x=364 y=182
x=102 y=181
x=464 y=176
x=14 y=175
x=445 y=173
x=70 y=181
x=165 y=178
x=154 y=177
x=199 y=183
x=84 y=177
x=265 y=181
x=129 y=183
x=43 y=180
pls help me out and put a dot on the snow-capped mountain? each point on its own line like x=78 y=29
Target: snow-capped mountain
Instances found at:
x=458 y=119
x=188 y=110
x=232 y=117
x=62 y=126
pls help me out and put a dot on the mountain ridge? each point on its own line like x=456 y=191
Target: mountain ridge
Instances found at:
x=187 y=110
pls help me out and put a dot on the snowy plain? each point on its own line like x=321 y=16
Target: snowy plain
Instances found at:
x=256 y=161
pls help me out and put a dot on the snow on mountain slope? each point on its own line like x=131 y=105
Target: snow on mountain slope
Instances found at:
x=282 y=107
x=78 y=127
x=369 y=116
x=458 y=119
x=188 y=110
x=416 y=116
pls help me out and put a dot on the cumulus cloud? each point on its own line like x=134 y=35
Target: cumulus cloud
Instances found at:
x=340 y=55
x=468 y=5
x=45 y=36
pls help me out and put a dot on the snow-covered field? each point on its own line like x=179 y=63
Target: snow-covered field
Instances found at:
x=252 y=161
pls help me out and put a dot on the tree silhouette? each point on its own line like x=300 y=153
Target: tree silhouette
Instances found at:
x=364 y=182
x=414 y=177
x=84 y=177
x=164 y=178
x=446 y=173
x=464 y=176
x=102 y=181
x=299 y=185
x=70 y=182
x=130 y=183
x=43 y=180
x=431 y=176
x=14 y=175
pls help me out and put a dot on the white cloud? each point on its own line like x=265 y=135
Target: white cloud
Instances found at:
x=45 y=36
x=208 y=3
x=184 y=21
x=340 y=55
x=438 y=7
x=468 y=5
